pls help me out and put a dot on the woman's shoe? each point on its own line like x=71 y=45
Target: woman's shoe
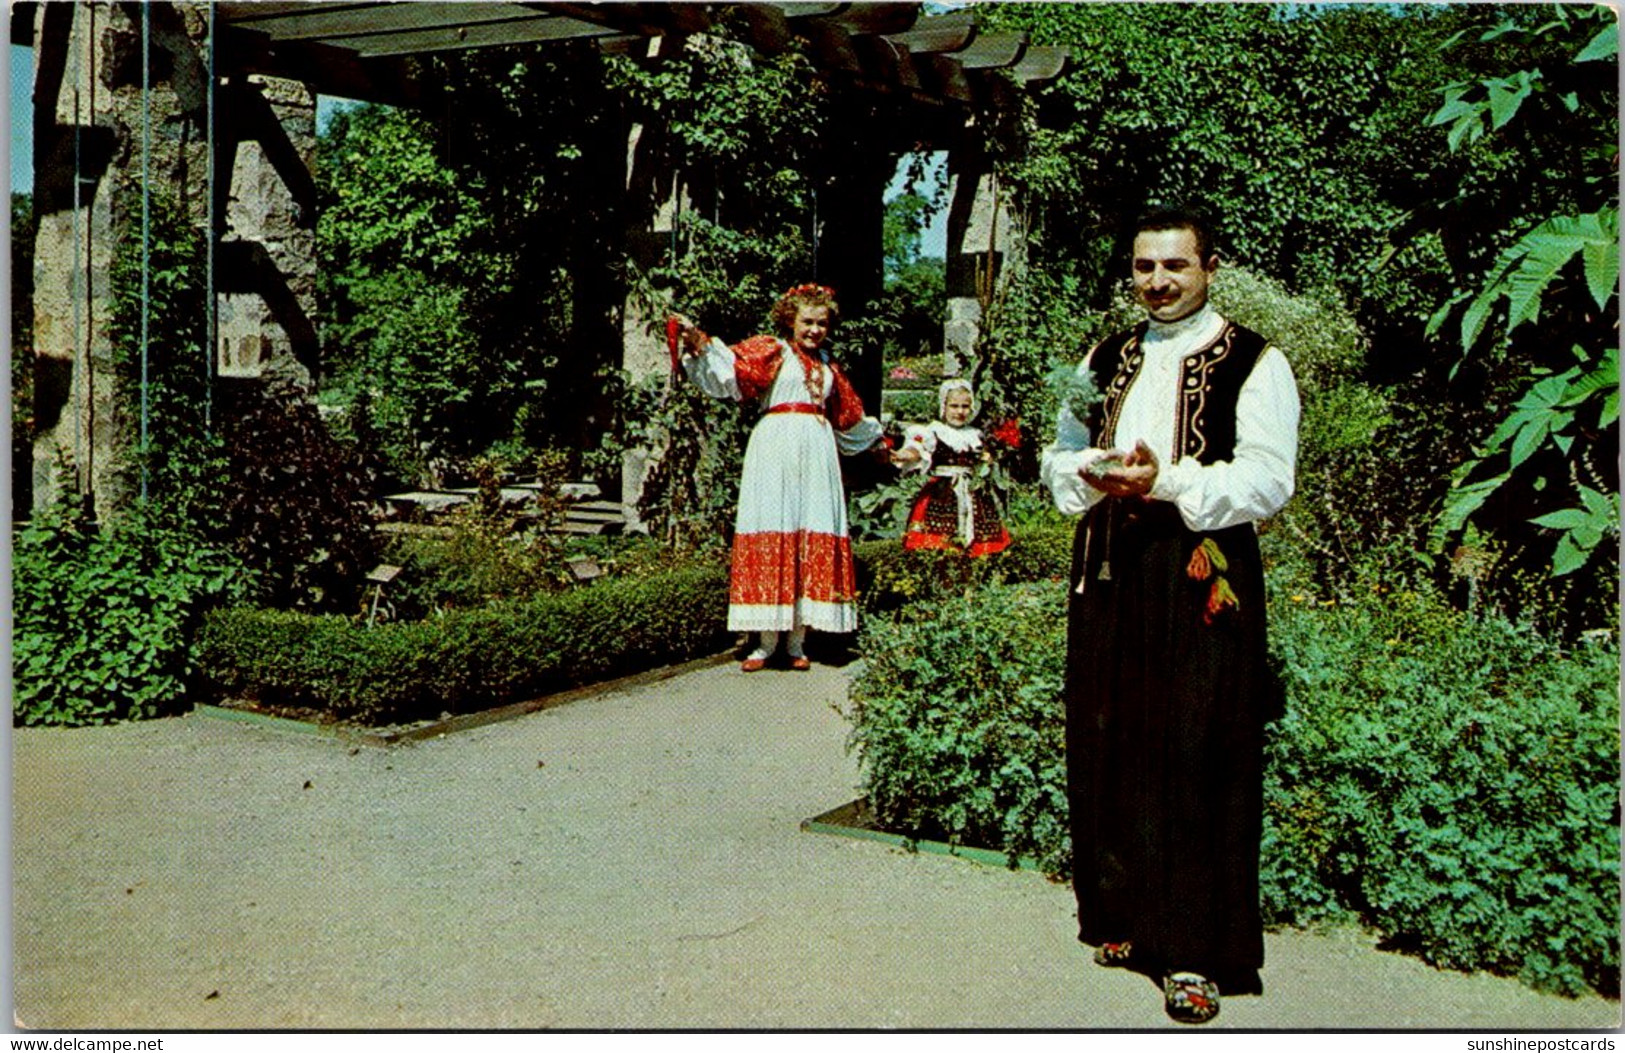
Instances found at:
x=753 y=665
x=1114 y=955
x=800 y=662
x=1190 y=998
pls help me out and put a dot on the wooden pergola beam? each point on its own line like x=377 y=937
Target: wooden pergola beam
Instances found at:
x=938 y=33
x=1042 y=63
x=992 y=51
x=328 y=70
x=332 y=22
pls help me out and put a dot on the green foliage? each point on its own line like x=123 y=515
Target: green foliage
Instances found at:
x=691 y=491
x=408 y=254
x=881 y=511
x=104 y=617
x=710 y=107
x=490 y=553
x=294 y=501
x=1450 y=781
x=1524 y=271
x=914 y=303
x=23 y=229
x=463 y=660
x=891 y=577
x=1036 y=325
x=912 y=406
x=915 y=306
x=1454 y=781
x=1555 y=268
x=1305 y=156
x=958 y=724
x=267 y=480
x=179 y=457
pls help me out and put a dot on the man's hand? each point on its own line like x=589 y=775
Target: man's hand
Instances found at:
x=1134 y=477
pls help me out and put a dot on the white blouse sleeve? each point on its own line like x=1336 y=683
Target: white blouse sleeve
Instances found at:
x=1259 y=479
x=713 y=370
x=862 y=435
x=1062 y=462
x=922 y=439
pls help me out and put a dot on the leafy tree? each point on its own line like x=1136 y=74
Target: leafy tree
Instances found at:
x=914 y=303
x=1544 y=313
x=402 y=244
x=1325 y=173
x=1293 y=152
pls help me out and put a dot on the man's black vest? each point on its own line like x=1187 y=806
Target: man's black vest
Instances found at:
x=1210 y=380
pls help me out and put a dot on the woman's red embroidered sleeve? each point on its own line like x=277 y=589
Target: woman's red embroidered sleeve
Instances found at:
x=844 y=408
x=756 y=363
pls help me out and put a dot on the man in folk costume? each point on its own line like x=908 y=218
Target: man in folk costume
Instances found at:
x=792 y=558
x=1193 y=441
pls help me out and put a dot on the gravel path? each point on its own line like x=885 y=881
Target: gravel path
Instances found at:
x=631 y=860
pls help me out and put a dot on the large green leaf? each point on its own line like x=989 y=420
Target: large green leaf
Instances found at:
x=1601 y=254
x=1583 y=529
x=1507 y=94
x=1604 y=45
x=1462 y=502
x=1524 y=272
x=1602 y=378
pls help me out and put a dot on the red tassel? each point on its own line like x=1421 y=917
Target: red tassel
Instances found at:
x=674 y=335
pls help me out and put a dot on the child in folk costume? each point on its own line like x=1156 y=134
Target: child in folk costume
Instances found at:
x=951 y=512
x=792 y=559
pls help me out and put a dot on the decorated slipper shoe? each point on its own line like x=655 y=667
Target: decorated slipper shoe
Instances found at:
x=1114 y=955
x=1190 y=998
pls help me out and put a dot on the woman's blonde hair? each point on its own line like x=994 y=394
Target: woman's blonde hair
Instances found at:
x=794 y=299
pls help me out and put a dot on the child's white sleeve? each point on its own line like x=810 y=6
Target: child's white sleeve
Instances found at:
x=922 y=439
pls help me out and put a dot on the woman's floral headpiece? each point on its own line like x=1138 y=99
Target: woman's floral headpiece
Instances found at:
x=810 y=289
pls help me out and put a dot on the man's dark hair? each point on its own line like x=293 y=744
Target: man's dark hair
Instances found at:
x=1181 y=219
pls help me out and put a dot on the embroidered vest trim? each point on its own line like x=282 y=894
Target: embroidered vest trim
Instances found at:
x=1210 y=381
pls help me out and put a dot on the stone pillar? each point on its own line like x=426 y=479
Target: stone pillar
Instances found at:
x=82 y=145
x=91 y=116
x=266 y=269
x=643 y=348
x=986 y=248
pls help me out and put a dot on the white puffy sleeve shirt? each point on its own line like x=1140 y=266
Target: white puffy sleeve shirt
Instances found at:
x=714 y=372
x=1254 y=484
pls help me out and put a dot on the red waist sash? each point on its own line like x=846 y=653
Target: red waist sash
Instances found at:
x=795 y=407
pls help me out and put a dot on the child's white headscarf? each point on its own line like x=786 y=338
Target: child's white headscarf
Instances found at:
x=950 y=385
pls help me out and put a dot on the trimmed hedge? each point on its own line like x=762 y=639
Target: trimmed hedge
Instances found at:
x=1452 y=782
x=464 y=660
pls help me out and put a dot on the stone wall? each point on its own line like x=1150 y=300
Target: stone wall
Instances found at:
x=986 y=249
x=90 y=121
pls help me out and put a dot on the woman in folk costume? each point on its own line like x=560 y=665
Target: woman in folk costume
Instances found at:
x=951 y=512
x=792 y=558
